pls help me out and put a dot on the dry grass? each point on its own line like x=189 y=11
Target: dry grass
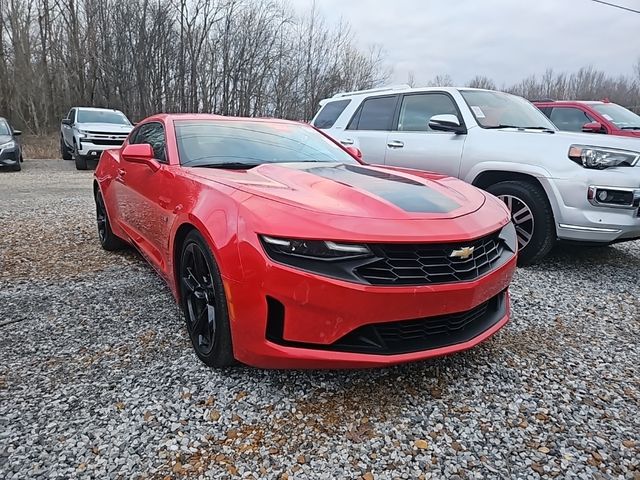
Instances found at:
x=41 y=146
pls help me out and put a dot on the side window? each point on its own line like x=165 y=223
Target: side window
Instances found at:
x=567 y=118
x=153 y=134
x=416 y=111
x=330 y=113
x=72 y=115
x=546 y=111
x=375 y=114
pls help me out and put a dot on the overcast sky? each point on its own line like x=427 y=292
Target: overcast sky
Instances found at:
x=506 y=40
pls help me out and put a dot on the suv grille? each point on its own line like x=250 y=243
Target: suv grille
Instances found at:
x=422 y=264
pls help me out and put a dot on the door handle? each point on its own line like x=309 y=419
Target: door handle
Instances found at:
x=395 y=144
x=347 y=141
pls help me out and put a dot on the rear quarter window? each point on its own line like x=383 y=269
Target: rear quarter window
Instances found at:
x=330 y=113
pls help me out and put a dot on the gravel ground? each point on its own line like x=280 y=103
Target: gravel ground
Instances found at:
x=98 y=380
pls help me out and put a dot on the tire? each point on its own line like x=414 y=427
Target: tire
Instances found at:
x=81 y=162
x=536 y=223
x=204 y=303
x=64 y=150
x=108 y=240
x=17 y=167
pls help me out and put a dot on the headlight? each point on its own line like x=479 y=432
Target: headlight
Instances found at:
x=10 y=144
x=82 y=134
x=313 y=249
x=600 y=157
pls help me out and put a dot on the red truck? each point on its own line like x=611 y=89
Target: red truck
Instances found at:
x=591 y=116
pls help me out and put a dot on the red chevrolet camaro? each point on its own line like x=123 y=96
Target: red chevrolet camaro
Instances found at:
x=286 y=251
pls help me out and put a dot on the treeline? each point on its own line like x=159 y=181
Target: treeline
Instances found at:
x=233 y=57
x=585 y=84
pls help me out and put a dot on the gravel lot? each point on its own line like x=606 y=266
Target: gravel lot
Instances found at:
x=98 y=380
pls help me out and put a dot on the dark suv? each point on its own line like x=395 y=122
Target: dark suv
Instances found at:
x=594 y=117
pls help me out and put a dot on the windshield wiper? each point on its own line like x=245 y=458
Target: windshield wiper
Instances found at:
x=227 y=165
x=631 y=128
x=544 y=129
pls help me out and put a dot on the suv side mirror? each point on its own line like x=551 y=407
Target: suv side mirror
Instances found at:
x=593 y=127
x=17 y=132
x=67 y=121
x=140 y=153
x=446 y=123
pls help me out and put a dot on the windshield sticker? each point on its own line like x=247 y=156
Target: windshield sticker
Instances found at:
x=608 y=117
x=478 y=112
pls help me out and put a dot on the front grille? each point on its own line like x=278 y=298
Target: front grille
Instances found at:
x=423 y=264
x=425 y=333
x=96 y=141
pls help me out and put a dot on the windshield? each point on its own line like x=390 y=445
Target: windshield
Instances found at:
x=102 y=116
x=251 y=143
x=620 y=116
x=4 y=128
x=496 y=109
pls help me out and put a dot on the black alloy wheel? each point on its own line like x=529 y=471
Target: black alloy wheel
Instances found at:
x=108 y=240
x=204 y=303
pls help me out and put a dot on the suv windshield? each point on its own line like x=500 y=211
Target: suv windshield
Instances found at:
x=497 y=110
x=247 y=143
x=4 y=128
x=102 y=116
x=620 y=116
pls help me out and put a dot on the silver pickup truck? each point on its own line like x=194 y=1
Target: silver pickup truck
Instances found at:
x=86 y=132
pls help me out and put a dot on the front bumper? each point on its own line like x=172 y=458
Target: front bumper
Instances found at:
x=9 y=156
x=87 y=148
x=282 y=317
x=579 y=218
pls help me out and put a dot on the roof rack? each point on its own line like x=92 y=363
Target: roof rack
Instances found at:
x=373 y=90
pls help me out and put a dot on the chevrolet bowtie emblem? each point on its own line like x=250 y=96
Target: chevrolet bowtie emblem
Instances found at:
x=463 y=253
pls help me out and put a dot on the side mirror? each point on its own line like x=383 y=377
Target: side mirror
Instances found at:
x=17 y=132
x=592 y=127
x=446 y=123
x=355 y=151
x=67 y=121
x=140 y=153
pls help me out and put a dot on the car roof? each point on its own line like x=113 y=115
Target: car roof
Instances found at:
x=211 y=116
x=398 y=89
x=569 y=102
x=97 y=109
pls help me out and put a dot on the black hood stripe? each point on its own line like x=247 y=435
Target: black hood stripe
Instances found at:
x=407 y=194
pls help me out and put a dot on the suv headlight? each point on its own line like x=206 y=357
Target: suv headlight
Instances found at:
x=82 y=133
x=601 y=157
x=10 y=144
x=313 y=249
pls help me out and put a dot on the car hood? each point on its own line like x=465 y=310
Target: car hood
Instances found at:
x=354 y=190
x=104 y=127
x=541 y=140
x=5 y=139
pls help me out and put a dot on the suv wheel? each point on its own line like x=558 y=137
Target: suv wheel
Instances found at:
x=64 y=150
x=532 y=216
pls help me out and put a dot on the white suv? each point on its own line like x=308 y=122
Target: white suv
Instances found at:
x=559 y=185
x=86 y=132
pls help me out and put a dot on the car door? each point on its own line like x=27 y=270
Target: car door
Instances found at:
x=369 y=127
x=147 y=199
x=67 y=130
x=413 y=144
